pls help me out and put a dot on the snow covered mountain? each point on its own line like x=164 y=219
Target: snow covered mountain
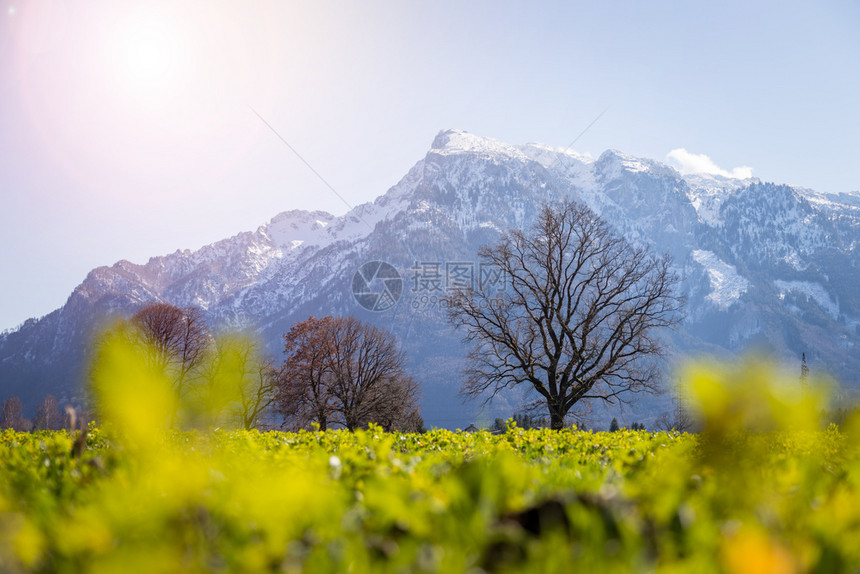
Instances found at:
x=765 y=266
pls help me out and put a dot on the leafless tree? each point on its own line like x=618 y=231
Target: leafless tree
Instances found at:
x=394 y=406
x=578 y=317
x=260 y=395
x=676 y=421
x=176 y=339
x=306 y=377
x=237 y=385
x=679 y=419
x=12 y=415
x=48 y=415
x=368 y=372
x=222 y=380
x=412 y=422
x=345 y=372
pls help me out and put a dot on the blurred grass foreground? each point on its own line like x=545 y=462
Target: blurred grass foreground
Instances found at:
x=163 y=485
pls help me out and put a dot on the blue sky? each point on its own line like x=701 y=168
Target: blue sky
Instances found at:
x=127 y=130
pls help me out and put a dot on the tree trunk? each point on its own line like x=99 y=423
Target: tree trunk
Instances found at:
x=556 y=421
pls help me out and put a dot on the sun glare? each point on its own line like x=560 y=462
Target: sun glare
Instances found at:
x=149 y=56
x=147 y=95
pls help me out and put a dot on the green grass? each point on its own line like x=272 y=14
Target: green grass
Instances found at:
x=761 y=489
x=525 y=501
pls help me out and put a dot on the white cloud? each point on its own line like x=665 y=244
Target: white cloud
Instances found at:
x=690 y=163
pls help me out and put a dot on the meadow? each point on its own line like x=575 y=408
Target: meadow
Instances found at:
x=524 y=501
x=760 y=487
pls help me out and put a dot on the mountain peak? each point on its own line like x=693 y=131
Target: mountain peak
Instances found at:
x=612 y=162
x=452 y=141
x=295 y=227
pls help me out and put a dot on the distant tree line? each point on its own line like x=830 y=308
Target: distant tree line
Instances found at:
x=525 y=421
x=204 y=371
x=338 y=372
x=635 y=426
x=49 y=415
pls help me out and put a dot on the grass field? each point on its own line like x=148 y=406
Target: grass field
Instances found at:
x=760 y=488
x=525 y=501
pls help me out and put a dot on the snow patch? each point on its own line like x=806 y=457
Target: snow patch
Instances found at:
x=832 y=202
x=727 y=285
x=452 y=142
x=707 y=193
x=814 y=291
x=795 y=261
x=612 y=164
x=634 y=164
x=549 y=156
x=490 y=225
x=289 y=227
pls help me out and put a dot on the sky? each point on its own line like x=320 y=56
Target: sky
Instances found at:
x=130 y=129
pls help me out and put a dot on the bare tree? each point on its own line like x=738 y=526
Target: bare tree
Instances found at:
x=578 y=318
x=237 y=383
x=12 y=415
x=677 y=421
x=413 y=422
x=345 y=372
x=395 y=406
x=223 y=380
x=306 y=377
x=260 y=395
x=368 y=372
x=48 y=415
x=175 y=339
